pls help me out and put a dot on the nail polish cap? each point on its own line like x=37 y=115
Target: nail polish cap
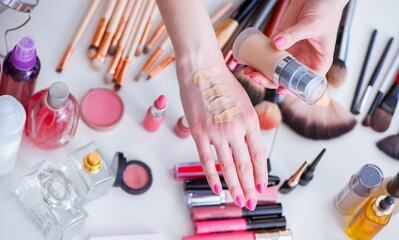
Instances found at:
x=393 y=186
x=58 y=94
x=24 y=55
x=367 y=180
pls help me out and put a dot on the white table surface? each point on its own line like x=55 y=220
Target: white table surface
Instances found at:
x=309 y=210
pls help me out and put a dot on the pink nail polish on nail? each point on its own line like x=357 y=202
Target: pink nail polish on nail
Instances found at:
x=281 y=92
x=255 y=80
x=280 y=42
x=240 y=201
x=251 y=204
x=218 y=189
x=260 y=187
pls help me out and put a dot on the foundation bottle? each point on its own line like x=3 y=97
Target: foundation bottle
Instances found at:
x=371 y=219
x=253 y=48
x=390 y=186
x=357 y=191
x=89 y=172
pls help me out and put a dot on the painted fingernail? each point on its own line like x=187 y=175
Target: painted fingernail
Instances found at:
x=217 y=188
x=280 y=42
x=281 y=92
x=260 y=187
x=240 y=201
x=246 y=71
x=255 y=80
x=251 y=204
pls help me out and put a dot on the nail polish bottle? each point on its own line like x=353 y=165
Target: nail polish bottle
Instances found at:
x=181 y=129
x=360 y=187
x=89 y=172
x=53 y=116
x=21 y=68
x=50 y=199
x=253 y=48
x=390 y=186
x=371 y=219
x=12 y=122
x=155 y=114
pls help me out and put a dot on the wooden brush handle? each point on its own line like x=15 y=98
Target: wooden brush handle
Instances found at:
x=277 y=16
x=225 y=31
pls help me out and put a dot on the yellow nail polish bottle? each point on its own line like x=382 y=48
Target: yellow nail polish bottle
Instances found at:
x=371 y=219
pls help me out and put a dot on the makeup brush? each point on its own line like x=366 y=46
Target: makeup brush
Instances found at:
x=78 y=34
x=307 y=175
x=382 y=117
x=269 y=113
x=390 y=146
x=269 y=164
x=159 y=31
x=161 y=66
x=227 y=28
x=102 y=52
x=366 y=94
x=101 y=27
x=363 y=72
x=326 y=119
x=256 y=92
x=337 y=73
x=146 y=31
x=293 y=181
x=381 y=92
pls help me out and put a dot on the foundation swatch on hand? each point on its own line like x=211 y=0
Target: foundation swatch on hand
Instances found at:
x=214 y=91
x=205 y=75
x=221 y=102
x=226 y=116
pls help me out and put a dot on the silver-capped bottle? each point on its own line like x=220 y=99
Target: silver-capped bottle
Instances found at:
x=89 y=172
x=50 y=198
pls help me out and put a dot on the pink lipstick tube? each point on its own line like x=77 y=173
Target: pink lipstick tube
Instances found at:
x=233 y=211
x=261 y=235
x=155 y=114
x=191 y=170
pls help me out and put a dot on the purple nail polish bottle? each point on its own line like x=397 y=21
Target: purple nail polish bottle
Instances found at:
x=21 y=67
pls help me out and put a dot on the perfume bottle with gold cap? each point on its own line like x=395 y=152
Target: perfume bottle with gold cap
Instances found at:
x=89 y=172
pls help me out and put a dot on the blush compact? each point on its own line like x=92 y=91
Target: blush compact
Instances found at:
x=133 y=176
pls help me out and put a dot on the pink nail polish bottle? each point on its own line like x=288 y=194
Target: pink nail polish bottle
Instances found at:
x=155 y=114
x=181 y=128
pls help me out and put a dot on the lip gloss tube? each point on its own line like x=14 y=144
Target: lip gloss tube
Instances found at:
x=191 y=170
x=238 y=224
x=202 y=183
x=207 y=198
x=250 y=235
x=233 y=211
x=253 y=48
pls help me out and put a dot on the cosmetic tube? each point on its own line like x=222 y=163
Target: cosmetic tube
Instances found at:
x=360 y=187
x=233 y=211
x=202 y=183
x=207 y=198
x=239 y=224
x=191 y=170
x=155 y=114
x=253 y=48
x=250 y=235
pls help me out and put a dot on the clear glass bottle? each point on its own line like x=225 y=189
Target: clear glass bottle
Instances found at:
x=371 y=219
x=89 y=172
x=390 y=186
x=49 y=197
x=53 y=116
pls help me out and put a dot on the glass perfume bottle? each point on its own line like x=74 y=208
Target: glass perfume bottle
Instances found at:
x=21 y=68
x=53 y=116
x=89 y=172
x=49 y=197
x=372 y=218
x=390 y=186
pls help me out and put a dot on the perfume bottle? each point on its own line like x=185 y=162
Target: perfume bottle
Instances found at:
x=89 y=172
x=12 y=121
x=50 y=199
x=21 y=68
x=53 y=116
x=390 y=186
x=372 y=218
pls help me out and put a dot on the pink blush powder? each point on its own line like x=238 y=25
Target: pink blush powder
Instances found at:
x=135 y=176
x=101 y=109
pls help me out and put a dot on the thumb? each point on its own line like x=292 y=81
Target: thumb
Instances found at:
x=288 y=37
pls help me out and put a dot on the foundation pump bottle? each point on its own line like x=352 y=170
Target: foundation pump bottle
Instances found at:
x=390 y=186
x=253 y=48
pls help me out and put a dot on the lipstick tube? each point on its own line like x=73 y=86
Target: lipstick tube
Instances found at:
x=207 y=198
x=155 y=114
x=232 y=211
x=239 y=224
x=202 y=183
x=250 y=235
x=191 y=170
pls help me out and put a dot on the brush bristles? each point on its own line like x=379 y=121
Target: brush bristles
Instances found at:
x=269 y=115
x=390 y=146
x=337 y=73
x=255 y=92
x=380 y=120
x=366 y=121
x=316 y=122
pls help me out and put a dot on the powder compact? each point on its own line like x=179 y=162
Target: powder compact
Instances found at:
x=132 y=176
